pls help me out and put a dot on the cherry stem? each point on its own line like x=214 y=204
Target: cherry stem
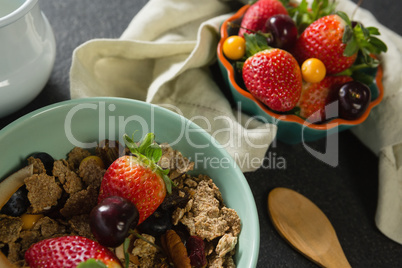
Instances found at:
x=126 y=254
x=234 y=25
x=357 y=7
x=350 y=71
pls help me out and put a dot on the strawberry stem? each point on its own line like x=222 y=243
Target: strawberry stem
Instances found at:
x=92 y=263
x=361 y=39
x=149 y=153
x=255 y=43
x=359 y=73
x=304 y=15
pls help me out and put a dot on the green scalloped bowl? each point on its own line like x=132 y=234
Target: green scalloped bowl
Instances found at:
x=291 y=128
x=56 y=129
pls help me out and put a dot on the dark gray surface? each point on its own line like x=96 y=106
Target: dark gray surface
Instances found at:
x=346 y=193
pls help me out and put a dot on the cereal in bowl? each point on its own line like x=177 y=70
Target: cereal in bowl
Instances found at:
x=123 y=206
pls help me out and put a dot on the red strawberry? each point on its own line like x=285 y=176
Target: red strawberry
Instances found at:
x=137 y=177
x=323 y=40
x=257 y=14
x=68 y=251
x=316 y=96
x=274 y=77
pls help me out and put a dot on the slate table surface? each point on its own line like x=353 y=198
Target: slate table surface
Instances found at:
x=347 y=193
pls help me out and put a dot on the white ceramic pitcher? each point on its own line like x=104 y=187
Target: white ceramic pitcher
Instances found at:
x=27 y=53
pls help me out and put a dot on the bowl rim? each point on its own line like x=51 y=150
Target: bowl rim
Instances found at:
x=254 y=241
x=290 y=117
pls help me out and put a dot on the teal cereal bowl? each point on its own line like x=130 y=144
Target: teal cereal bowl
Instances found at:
x=292 y=129
x=57 y=128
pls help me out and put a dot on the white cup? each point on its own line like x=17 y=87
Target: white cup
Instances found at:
x=27 y=53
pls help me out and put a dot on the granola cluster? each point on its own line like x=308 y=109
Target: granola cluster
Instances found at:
x=206 y=216
x=61 y=203
x=64 y=199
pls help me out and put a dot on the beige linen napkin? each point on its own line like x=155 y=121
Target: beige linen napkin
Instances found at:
x=163 y=58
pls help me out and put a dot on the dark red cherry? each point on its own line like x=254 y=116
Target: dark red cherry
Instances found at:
x=111 y=220
x=354 y=98
x=283 y=30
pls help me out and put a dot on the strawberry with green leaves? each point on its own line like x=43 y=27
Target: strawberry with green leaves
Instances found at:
x=271 y=75
x=306 y=13
x=137 y=177
x=336 y=42
x=316 y=97
x=70 y=252
x=258 y=13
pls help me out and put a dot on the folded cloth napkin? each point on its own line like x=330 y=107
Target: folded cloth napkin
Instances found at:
x=163 y=57
x=382 y=131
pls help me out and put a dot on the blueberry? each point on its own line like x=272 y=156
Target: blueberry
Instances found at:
x=47 y=161
x=157 y=224
x=17 y=204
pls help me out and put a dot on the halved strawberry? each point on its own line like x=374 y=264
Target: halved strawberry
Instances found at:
x=137 y=177
x=257 y=14
x=69 y=252
x=316 y=97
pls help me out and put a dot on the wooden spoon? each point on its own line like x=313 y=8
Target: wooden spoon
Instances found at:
x=302 y=224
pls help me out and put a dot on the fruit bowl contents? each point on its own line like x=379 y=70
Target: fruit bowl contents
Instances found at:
x=72 y=193
x=310 y=70
x=98 y=201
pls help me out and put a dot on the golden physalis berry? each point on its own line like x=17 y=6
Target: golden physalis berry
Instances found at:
x=313 y=70
x=234 y=47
